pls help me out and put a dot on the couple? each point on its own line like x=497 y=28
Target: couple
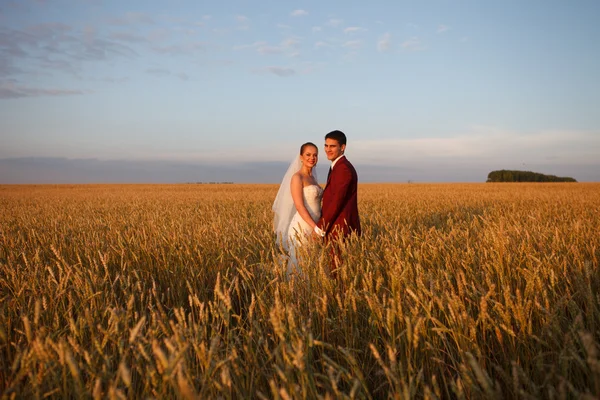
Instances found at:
x=298 y=211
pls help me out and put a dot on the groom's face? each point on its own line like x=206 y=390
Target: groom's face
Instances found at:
x=333 y=149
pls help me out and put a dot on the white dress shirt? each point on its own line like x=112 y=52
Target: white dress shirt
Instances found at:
x=335 y=161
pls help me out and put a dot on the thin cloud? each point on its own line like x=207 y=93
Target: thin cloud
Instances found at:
x=412 y=44
x=264 y=50
x=132 y=18
x=317 y=29
x=443 y=28
x=215 y=63
x=250 y=46
x=486 y=144
x=50 y=28
x=11 y=90
x=353 y=44
x=350 y=56
x=185 y=49
x=320 y=45
x=299 y=13
x=291 y=43
x=310 y=67
x=162 y=72
x=292 y=46
x=174 y=21
x=58 y=65
x=384 y=43
x=101 y=49
x=158 y=71
x=114 y=80
x=281 y=71
x=189 y=32
x=334 y=22
x=13 y=41
x=243 y=22
x=354 y=29
x=7 y=68
x=159 y=35
x=128 y=37
x=58 y=48
x=13 y=6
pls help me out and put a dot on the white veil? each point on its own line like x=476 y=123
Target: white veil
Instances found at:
x=283 y=206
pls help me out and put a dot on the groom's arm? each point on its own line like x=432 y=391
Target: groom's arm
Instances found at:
x=338 y=194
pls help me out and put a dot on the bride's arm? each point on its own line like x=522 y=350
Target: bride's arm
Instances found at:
x=298 y=197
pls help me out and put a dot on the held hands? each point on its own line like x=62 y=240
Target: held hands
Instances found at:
x=319 y=232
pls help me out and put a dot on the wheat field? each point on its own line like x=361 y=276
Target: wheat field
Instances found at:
x=179 y=291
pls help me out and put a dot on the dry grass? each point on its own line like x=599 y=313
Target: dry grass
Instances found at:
x=454 y=291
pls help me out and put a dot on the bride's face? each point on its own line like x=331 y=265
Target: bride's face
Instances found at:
x=310 y=156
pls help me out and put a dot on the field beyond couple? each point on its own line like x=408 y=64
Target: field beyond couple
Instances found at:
x=163 y=291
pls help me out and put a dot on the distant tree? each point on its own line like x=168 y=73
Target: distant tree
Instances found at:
x=504 y=175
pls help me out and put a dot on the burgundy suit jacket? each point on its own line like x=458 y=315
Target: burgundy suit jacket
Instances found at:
x=339 y=213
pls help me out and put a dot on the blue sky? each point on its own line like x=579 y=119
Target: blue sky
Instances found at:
x=420 y=87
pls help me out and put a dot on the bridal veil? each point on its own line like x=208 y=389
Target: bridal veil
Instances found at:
x=283 y=206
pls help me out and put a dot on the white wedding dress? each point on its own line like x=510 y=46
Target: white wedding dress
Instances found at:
x=291 y=230
x=299 y=230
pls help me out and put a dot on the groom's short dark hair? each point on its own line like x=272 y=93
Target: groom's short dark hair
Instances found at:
x=337 y=135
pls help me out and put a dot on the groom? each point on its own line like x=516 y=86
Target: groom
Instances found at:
x=339 y=213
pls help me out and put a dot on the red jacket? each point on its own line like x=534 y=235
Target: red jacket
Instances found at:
x=339 y=213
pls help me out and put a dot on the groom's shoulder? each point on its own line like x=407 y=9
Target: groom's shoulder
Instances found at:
x=347 y=166
x=347 y=162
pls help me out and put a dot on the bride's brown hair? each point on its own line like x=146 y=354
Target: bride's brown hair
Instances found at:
x=305 y=145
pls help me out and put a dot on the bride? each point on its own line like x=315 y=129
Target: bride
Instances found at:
x=297 y=206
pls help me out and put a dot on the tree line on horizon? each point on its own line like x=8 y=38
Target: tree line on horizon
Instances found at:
x=524 y=176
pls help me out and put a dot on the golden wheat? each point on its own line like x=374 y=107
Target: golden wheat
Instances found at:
x=161 y=291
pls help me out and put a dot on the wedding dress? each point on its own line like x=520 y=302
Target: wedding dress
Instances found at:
x=299 y=229
x=312 y=201
x=289 y=226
